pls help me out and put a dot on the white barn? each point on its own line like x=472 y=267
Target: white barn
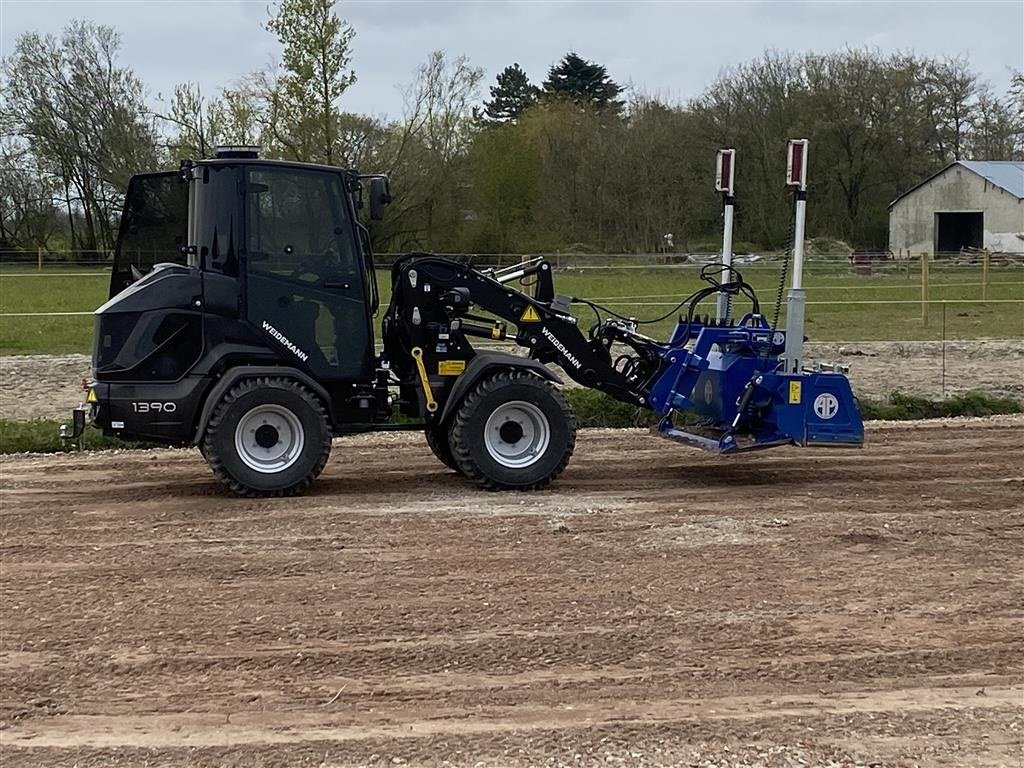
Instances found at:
x=968 y=204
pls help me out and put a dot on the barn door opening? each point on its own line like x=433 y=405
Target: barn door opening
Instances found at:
x=956 y=231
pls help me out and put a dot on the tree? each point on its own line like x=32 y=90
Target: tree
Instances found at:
x=194 y=123
x=28 y=216
x=506 y=169
x=198 y=125
x=584 y=82
x=996 y=132
x=1016 y=95
x=313 y=74
x=83 y=119
x=424 y=152
x=511 y=96
x=952 y=92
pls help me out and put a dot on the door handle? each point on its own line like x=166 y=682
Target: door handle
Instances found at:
x=337 y=284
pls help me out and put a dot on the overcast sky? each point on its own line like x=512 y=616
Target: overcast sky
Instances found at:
x=669 y=49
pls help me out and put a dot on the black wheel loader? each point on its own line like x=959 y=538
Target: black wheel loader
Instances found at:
x=240 y=320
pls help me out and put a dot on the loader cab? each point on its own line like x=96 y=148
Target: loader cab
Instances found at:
x=273 y=246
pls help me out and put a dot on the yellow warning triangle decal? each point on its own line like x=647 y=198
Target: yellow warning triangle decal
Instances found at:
x=91 y=397
x=529 y=315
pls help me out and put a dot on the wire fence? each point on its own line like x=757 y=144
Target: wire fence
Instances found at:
x=982 y=294
x=860 y=263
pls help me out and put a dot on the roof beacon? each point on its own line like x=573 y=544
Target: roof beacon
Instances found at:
x=237 y=152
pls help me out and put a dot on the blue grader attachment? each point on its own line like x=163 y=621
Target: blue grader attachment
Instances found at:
x=733 y=393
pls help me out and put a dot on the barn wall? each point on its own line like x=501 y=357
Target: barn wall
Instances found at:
x=912 y=219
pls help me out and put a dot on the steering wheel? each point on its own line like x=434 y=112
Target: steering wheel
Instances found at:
x=324 y=267
x=308 y=266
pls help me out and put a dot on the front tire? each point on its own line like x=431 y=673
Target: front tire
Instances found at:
x=437 y=439
x=514 y=431
x=267 y=436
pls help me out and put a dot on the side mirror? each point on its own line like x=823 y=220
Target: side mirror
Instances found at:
x=380 y=196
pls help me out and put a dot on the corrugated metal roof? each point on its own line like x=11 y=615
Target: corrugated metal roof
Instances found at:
x=1005 y=174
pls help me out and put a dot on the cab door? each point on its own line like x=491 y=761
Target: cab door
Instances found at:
x=305 y=289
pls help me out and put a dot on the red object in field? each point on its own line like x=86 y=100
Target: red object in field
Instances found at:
x=725 y=173
x=796 y=163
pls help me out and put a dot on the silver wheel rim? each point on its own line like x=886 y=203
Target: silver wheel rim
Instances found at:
x=517 y=434
x=269 y=438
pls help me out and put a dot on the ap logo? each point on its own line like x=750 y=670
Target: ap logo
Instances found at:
x=826 y=406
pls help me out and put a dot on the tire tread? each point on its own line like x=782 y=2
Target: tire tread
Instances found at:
x=460 y=443
x=216 y=461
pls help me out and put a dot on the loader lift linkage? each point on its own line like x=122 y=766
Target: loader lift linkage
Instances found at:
x=259 y=347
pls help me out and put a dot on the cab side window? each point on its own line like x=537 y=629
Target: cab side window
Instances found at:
x=298 y=225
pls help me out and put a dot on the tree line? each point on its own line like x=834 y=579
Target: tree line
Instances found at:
x=576 y=162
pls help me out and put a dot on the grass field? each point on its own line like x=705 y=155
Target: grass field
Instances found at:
x=648 y=292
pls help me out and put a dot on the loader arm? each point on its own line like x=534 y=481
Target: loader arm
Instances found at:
x=431 y=320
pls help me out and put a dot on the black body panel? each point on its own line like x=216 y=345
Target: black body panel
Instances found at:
x=159 y=413
x=151 y=331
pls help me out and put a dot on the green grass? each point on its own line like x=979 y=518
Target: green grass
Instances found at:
x=593 y=409
x=42 y=436
x=24 y=290
x=904 y=407
x=644 y=293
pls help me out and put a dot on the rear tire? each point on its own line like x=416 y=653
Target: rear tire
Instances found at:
x=514 y=431
x=437 y=439
x=267 y=436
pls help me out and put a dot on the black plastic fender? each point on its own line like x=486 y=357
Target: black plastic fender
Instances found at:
x=486 y=361
x=239 y=372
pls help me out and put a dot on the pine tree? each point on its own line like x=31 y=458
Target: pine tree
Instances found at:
x=513 y=95
x=585 y=82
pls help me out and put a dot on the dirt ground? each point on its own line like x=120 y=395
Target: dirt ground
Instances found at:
x=49 y=386
x=658 y=606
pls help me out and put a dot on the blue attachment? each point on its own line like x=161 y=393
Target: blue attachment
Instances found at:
x=730 y=380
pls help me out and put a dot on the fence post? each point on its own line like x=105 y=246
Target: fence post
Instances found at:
x=943 y=349
x=924 y=287
x=39 y=259
x=984 y=275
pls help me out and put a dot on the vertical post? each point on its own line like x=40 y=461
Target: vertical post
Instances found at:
x=796 y=176
x=725 y=177
x=943 y=349
x=924 y=288
x=39 y=259
x=984 y=275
